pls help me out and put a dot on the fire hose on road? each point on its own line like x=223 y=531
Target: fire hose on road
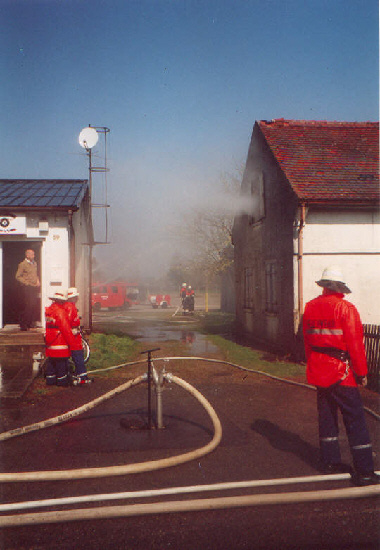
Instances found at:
x=162 y=506
x=221 y=362
x=106 y=512
x=115 y=470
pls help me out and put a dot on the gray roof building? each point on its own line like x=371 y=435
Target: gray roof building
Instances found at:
x=26 y=194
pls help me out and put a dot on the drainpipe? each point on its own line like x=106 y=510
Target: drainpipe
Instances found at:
x=71 y=249
x=300 y=260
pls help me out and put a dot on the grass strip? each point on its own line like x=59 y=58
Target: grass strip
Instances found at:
x=110 y=349
x=253 y=359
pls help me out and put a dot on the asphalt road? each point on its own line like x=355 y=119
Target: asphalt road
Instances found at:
x=269 y=432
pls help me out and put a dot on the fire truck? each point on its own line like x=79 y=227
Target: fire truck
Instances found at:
x=114 y=295
x=159 y=300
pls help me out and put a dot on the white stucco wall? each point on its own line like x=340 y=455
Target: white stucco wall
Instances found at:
x=54 y=258
x=52 y=232
x=1 y=284
x=351 y=240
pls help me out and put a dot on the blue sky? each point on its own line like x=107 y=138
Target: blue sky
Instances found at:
x=180 y=85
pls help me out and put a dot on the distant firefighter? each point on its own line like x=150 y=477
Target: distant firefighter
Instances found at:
x=182 y=293
x=190 y=297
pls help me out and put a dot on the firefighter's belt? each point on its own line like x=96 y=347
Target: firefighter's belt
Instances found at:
x=337 y=353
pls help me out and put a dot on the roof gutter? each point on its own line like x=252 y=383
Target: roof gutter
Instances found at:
x=11 y=209
x=329 y=203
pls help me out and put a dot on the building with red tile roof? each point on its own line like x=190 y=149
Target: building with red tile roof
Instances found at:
x=311 y=195
x=327 y=162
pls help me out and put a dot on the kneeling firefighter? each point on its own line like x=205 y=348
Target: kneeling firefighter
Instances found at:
x=58 y=340
x=76 y=348
x=336 y=363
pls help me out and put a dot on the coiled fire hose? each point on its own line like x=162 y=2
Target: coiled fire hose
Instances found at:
x=161 y=507
x=125 y=468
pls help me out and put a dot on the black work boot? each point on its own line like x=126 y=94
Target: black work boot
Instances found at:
x=361 y=480
x=337 y=468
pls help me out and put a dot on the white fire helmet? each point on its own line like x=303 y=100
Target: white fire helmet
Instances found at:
x=59 y=296
x=184 y=284
x=333 y=278
x=72 y=292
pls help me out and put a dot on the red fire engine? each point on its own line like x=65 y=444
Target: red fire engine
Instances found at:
x=115 y=295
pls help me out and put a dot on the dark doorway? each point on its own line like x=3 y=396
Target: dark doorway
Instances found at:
x=13 y=254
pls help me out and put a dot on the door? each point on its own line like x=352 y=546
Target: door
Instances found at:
x=13 y=254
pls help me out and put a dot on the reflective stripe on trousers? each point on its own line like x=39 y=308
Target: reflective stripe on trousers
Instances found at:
x=346 y=399
x=57 y=371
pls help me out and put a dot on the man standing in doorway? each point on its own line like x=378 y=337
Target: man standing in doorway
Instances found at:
x=27 y=276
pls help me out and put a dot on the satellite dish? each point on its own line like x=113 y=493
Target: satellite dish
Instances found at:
x=88 y=138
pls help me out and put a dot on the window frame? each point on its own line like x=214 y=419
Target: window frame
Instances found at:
x=249 y=286
x=272 y=304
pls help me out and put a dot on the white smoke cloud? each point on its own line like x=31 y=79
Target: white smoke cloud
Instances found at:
x=144 y=210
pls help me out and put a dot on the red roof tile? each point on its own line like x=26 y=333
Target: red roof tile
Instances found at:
x=327 y=161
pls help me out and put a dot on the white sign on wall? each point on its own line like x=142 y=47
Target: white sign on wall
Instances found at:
x=12 y=225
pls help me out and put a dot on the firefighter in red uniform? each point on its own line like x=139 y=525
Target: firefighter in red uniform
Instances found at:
x=182 y=293
x=336 y=363
x=58 y=337
x=76 y=347
x=190 y=299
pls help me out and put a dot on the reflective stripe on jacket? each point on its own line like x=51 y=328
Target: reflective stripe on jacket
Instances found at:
x=330 y=321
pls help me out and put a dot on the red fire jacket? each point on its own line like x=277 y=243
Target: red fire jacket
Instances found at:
x=330 y=321
x=58 y=334
x=74 y=320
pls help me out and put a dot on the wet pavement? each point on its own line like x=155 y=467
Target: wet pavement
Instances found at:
x=269 y=432
x=20 y=357
x=146 y=325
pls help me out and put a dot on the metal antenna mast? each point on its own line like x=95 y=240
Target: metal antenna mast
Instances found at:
x=88 y=138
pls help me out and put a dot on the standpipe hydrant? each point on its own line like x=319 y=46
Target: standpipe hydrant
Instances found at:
x=158 y=378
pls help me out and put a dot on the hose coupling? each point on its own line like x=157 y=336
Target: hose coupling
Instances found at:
x=168 y=377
